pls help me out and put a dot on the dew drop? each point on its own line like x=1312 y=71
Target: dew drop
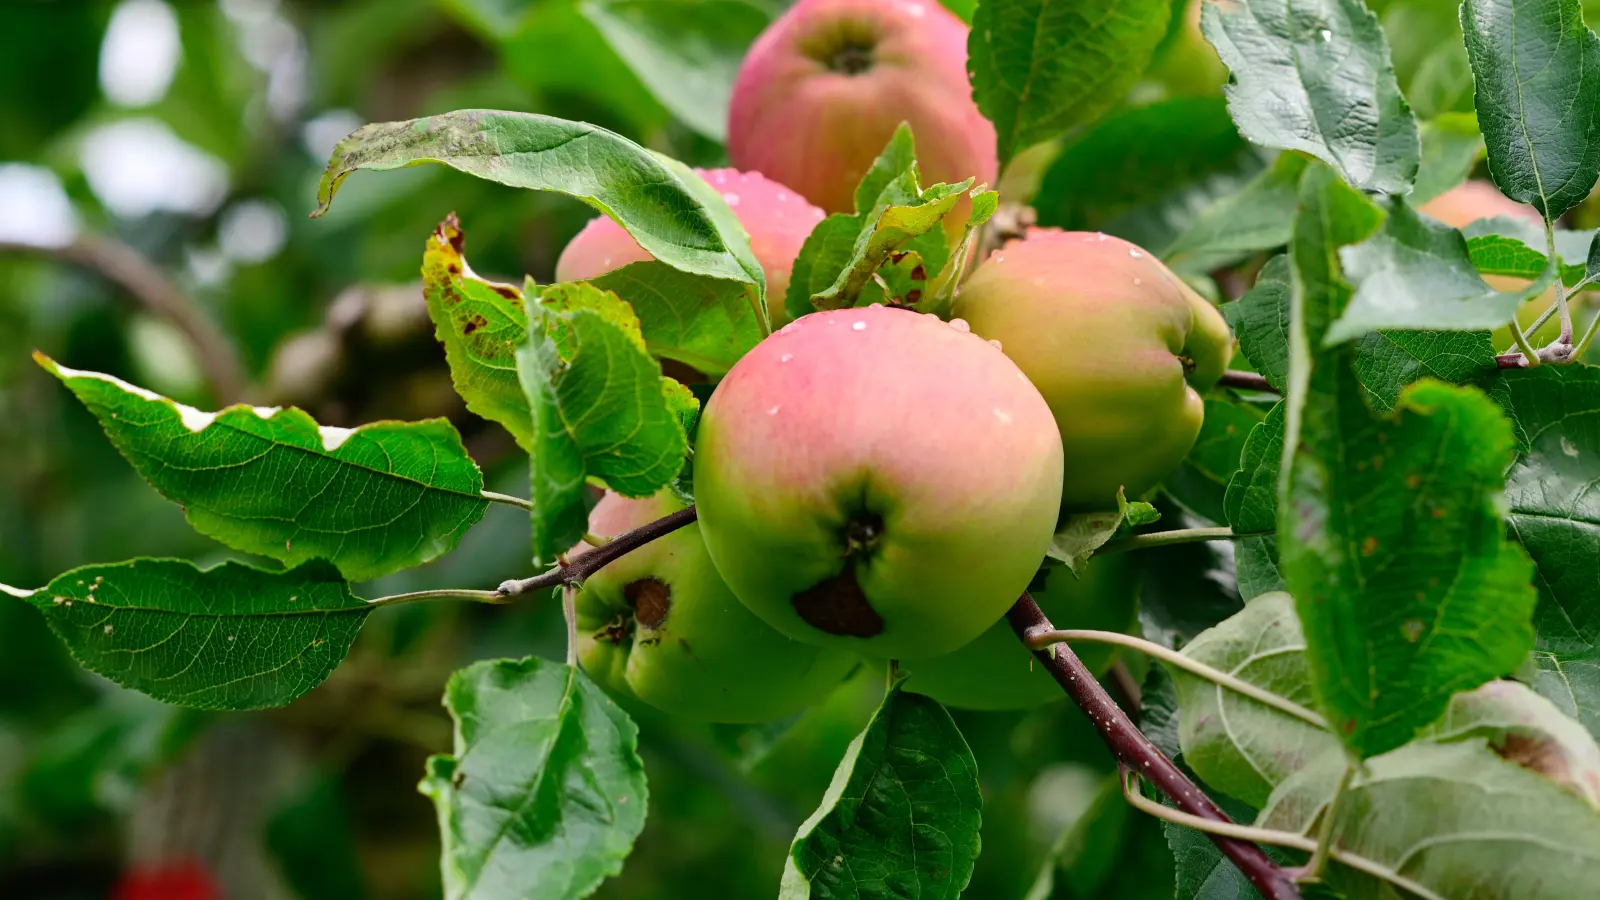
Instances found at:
x=859 y=326
x=930 y=316
x=961 y=326
x=731 y=198
x=1137 y=282
x=876 y=306
x=1135 y=254
x=830 y=321
x=1002 y=415
x=995 y=342
x=774 y=411
x=786 y=357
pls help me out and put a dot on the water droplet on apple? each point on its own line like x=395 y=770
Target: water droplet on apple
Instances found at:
x=786 y=357
x=1135 y=254
x=774 y=411
x=1002 y=415
x=961 y=326
x=731 y=198
x=859 y=326
x=996 y=343
x=1137 y=282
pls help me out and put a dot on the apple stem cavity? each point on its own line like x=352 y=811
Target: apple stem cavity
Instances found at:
x=1135 y=751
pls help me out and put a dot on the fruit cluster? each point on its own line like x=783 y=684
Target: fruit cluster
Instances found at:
x=876 y=483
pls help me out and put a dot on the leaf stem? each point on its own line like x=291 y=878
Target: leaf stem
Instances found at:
x=1167 y=538
x=19 y=593
x=445 y=594
x=1134 y=750
x=507 y=499
x=1274 y=838
x=1329 y=831
x=569 y=612
x=1588 y=337
x=1530 y=356
x=1039 y=640
x=1561 y=290
x=595 y=540
x=581 y=567
x=1250 y=381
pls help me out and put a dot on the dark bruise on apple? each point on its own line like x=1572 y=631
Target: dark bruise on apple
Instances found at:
x=877 y=480
x=660 y=626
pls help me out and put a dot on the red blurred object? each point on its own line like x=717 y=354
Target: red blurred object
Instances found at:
x=169 y=881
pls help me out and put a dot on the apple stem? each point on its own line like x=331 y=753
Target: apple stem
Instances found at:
x=1136 y=751
x=579 y=568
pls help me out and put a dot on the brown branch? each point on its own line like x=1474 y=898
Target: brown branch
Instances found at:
x=581 y=567
x=144 y=281
x=1250 y=381
x=1136 y=751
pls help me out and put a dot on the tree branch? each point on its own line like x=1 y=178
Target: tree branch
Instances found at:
x=1249 y=381
x=144 y=281
x=1135 y=750
x=575 y=571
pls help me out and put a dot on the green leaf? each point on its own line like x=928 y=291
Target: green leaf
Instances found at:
x=1536 y=67
x=230 y=637
x=1527 y=729
x=1135 y=158
x=1408 y=591
x=704 y=323
x=481 y=324
x=1388 y=532
x=1257 y=217
x=1237 y=744
x=893 y=226
x=1316 y=77
x=601 y=409
x=901 y=816
x=1201 y=482
x=1503 y=245
x=1451 y=148
x=686 y=52
x=1455 y=818
x=1040 y=69
x=1416 y=275
x=1261 y=320
x=1252 y=497
x=1079 y=535
x=843 y=253
x=1387 y=361
x=672 y=219
x=1555 y=512
x=372 y=501
x=545 y=792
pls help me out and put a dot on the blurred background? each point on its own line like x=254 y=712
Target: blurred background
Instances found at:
x=158 y=159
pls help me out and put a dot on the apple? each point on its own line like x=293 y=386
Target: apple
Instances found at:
x=1119 y=346
x=877 y=480
x=168 y=881
x=1473 y=200
x=659 y=625
x=996 y=672
x=777 y=220
x=825 y=86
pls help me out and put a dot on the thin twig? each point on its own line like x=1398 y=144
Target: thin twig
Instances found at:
x=1250 y=381
x=1135 y=750
x=1167 y=538
x=1040 y=639
x=583 y=566
x=1272 y=837
x=145 y=282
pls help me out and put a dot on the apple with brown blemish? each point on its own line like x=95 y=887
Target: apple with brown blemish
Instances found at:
x=1118 y=345
x=877 y=480
x=659 y=625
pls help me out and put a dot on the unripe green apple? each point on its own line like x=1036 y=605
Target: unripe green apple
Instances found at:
x=825 y=86
x=877 y=480
x=659 y=624
x=777 y=220
x=1118 y=345
x=997 y=672
x=1473 y=200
